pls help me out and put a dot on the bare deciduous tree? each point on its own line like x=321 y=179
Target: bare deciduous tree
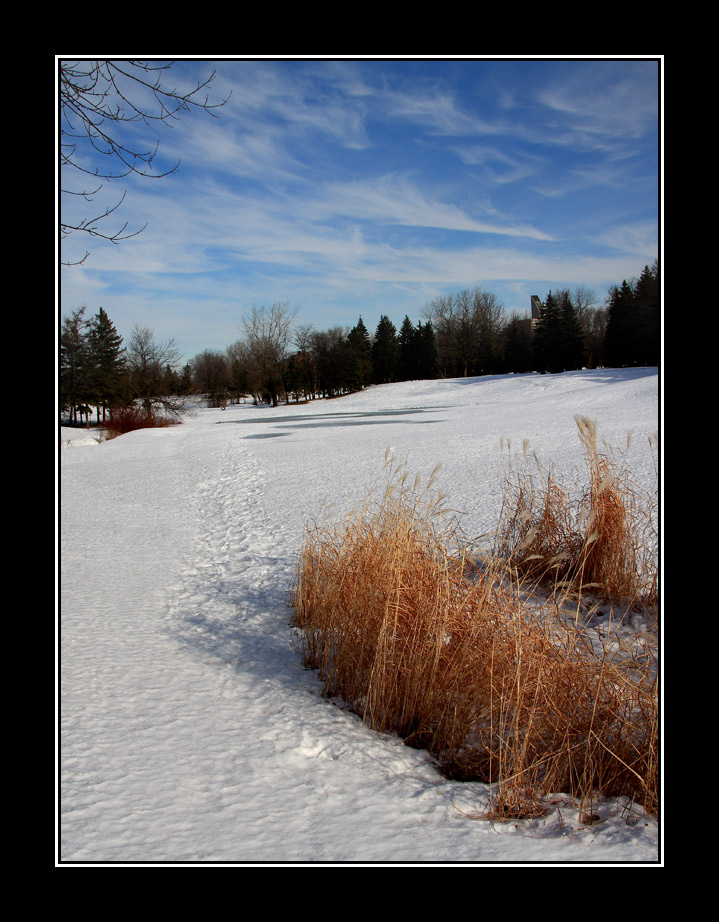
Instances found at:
x=467 y=325
x=150 y=364
x=212 y=375
x=268 y=334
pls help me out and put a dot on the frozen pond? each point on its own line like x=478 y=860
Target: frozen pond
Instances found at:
x=332 y=420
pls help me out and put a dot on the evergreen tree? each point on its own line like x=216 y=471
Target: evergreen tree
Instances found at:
x=294 y=378
x=359 y=357
x=547 y=336
x=648 y=323
x=74 y=365
x=385 y=354
x=571 y=350
x=558 y=338
x=185 y=386
x=594 y=325
x=621 y=341
x=517 y=346
x=408 y=351
x=427 y=354
x=108 y=378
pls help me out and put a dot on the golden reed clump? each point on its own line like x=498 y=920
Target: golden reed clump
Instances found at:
x=604 y=541
x=445 y=648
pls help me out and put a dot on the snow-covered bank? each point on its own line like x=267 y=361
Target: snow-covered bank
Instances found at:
x=188 y=729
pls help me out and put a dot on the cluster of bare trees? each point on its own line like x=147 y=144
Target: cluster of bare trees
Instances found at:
x=254 y=365
x=468 y=327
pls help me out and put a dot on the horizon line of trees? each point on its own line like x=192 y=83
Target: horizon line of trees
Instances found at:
x=466 y=333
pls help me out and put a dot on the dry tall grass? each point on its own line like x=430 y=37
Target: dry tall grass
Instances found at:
x=604 y=540
x=424 y=641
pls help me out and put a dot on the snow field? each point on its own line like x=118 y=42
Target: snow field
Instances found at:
x=188 y=730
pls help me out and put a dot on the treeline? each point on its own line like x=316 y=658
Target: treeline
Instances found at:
x=466 y=333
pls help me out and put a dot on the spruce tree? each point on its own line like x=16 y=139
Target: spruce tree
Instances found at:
x=108 y=378
x=428 y=355
x=359 y=357
x=517 y=346
x=74 y=365
x=408 y=351
x=547 y=336
x=385 y=354
x=620 y=342
x=648 y=324
x=571 y=350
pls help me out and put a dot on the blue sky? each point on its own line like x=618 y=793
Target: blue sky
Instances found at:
x=351 y=187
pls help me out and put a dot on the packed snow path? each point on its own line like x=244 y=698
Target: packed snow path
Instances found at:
x=189 y=730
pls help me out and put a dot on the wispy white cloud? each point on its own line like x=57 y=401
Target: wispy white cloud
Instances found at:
x=499 y=166
x=436 y=112
x=397 y=200
x=607 y=107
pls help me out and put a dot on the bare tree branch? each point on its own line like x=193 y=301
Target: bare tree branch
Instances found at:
x=96 y=99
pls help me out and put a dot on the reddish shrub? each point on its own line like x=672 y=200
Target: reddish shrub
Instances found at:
x=127 y=419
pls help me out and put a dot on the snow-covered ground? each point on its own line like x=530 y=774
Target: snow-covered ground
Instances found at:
x=188 y=729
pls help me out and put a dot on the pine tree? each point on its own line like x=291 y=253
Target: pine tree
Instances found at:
x=74 y=368
x=359 y=357
x=571 y=349
x=428 y=356
x=648 y=324
x=385 y=355
x=408 y=350
x=108 y=377
x=620 y=343
x=547 y=336
x=517 y=346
